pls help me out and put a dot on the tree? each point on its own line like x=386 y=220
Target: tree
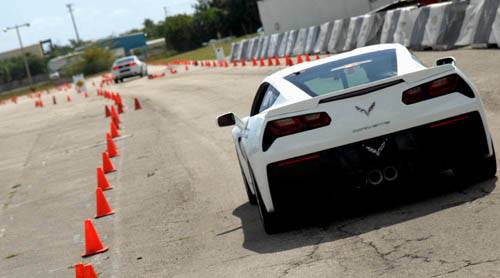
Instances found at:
x=179 y=32
x=93 y=60
x=208 y=23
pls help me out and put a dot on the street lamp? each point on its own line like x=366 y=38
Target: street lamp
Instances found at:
x=26 y=66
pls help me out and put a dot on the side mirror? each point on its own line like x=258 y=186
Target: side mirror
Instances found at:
x=445 y=60
x=226 y=120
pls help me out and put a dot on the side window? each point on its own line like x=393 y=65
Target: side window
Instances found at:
x=265 y=98
x=269 y=98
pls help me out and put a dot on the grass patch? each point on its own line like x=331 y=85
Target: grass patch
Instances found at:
x=202 y=53
x=20 y=92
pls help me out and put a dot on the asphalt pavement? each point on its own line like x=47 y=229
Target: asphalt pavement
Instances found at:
x=181 y=208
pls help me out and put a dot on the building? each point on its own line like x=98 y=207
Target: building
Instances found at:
x=283 y=15
x=126 y=42
x=35 y=50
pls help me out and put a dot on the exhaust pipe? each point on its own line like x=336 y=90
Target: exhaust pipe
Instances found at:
x=375 y=177
x=390 y=173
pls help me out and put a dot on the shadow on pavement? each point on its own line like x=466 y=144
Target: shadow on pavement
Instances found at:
x=357 y=215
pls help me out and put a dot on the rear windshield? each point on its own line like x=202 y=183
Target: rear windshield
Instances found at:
x=346 y=73
x=124 y=60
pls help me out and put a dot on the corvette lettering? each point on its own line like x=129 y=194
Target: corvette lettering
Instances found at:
x=371 y=126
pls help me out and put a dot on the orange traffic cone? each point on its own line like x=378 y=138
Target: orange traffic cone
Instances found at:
x=88 y=271
x=102 y=181
x=243 y=63
x=112 y=151
x=106 y=111
x=85 y=271
x=113 y=130
x=137 y=104
x=93 y=244
x=317 y=57
x=102 y=206
x=119 y=108
x=107 y=165
x=277 y=60
x=68 y=98
x=308 y=58
x=86 y=94
x=254 y=62
x=299 y=59
x=262 y=64
x=114 y=115
x=235 y=63
x=269 y=62
x=79 y=270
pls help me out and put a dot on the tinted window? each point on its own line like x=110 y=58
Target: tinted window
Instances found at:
x=346 y=73
x=269 y=98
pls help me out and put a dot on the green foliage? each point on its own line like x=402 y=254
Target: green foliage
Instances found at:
x=209 y=23
x=93 y=60
x=13 y=68
x=153 y=31
x=179 y=33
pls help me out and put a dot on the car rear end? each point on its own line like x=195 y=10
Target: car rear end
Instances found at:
x=375 y=134
x=126 y=67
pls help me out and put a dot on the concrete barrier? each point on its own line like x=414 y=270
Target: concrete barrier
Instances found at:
x=300 y=43
x=390 y=24
x=252 y=48
x=353 y=32
x=495 y=28
x=312 y=37
x=234 y=49
x=418 y=30
x=242 y=50
x=274 y=43
x=444 y=24
x=405 y=24
x=265 y=46
x=256 y=55
x=370 y=30
x=325 y=30
x=290 y=44
x=338 y=36
x=282 y=46
x=477 y=24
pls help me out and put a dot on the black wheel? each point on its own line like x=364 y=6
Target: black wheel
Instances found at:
x=476 y=171
x=252 y=199
x=116 y=81
x=270 y=220
x=121 y=80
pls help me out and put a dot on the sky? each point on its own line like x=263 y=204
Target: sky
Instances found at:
x=95 y=19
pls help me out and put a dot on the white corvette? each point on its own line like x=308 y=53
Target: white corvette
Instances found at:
x=359 y=119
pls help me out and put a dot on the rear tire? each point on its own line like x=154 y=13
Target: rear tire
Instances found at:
x=116 y=81
x=270 y=220
x=477 y=171
x=121 y=80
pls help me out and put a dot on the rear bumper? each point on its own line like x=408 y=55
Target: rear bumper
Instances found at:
x=431 y=147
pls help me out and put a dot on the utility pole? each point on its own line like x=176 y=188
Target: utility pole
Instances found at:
x=70 y=8
x=21 y=48
x=166 y=11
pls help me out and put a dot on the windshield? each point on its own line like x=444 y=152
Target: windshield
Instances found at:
x=346 y=73
x=124 y=60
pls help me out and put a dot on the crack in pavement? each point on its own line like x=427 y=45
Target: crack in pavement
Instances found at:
x=467 y=263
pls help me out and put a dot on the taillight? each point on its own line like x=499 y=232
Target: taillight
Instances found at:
x=287 y=126
x=116 y=68
x=439 y=87
x=132 y=64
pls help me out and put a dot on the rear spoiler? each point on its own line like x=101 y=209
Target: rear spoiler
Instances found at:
x=360 y=90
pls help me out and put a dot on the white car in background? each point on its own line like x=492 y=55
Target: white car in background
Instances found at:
x=358 y=120
x=128 y=67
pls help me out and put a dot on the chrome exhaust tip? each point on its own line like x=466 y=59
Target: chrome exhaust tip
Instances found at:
x=375 y=177
x=391 y=173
